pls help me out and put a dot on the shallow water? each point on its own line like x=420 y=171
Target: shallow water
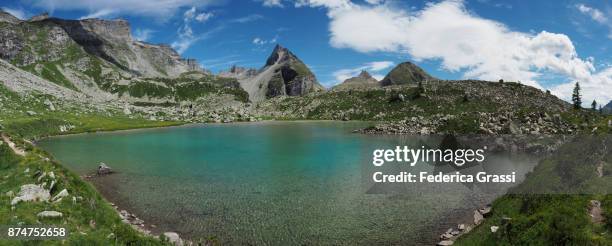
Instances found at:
x=279 y=183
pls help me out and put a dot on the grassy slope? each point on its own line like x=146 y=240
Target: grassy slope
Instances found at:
x=554 y=219
x=78 y=217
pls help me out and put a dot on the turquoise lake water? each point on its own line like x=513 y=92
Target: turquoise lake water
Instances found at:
x=274 y=183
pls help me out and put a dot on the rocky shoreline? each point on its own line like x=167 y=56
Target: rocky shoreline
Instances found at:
x=131 y=218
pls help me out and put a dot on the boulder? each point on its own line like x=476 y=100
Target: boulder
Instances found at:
x=494 y=229
x=445 y=243
x=49 y=214
x=478 y=218
x=103 y=169
x=31 y=192
x=61 y=194
x=486 y=211
x=174 y=238
x=31 y=113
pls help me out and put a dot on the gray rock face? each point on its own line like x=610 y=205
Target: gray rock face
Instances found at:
x=239 y=73
x=31 y=192
x=6 y=17
x=283 y=75
x=363 y=81
x=406 y=73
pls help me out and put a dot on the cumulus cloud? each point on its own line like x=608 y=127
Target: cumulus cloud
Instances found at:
x=96 y=8
x=463 y=42
x=19 y=13
x=143 y=34
x=373 y=67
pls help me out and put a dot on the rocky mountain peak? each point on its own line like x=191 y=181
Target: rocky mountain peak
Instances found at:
x=364 y=75
x=7 y=17
x=280 y=54
x=608 y=108
x=406 y=73
x=40 y=17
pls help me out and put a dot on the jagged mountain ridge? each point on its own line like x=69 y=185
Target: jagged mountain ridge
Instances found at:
x=110 y=40
x=100 y=59
x=284 y=74
x=362 y=81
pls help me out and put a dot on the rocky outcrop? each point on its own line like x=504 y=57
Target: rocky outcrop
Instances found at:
x=406 y=73
x=239 y=73
x=283 y=75
x=31 y=192
x=103 y=169
x=363 y=81
x=9 y=18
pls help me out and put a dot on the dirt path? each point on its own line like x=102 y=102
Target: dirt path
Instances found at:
x=11 y=145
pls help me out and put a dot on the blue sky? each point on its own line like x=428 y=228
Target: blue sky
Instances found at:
x=547 y=44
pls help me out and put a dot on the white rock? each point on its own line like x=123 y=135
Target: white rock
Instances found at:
x=31 y=192
x=478 y=218
x=51 y=175
x=27 y=170
x=494 y=229
x=63 y=193
x=174 y=238
x=49 y=214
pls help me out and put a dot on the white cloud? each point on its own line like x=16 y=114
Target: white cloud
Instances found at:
x=19 y=13
x=162 y=9
x=186 y=37
x=594 y=13
x=272 y=3
x=462 y=42
x=259 y=41
x=143 y=34
x=248 y=18
x=372 y=67
x=99 y=14
x=203 y=17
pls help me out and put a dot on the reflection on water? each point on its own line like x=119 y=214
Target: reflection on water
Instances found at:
x=269 y=183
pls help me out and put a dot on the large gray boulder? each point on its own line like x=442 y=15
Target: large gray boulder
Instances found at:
x=31 y=192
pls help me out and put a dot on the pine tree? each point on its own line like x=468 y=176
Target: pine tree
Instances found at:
x=576 y=98
x=594 y=105
x=600 y=109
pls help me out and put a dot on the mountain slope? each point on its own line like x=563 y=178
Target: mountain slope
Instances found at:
x=406 y=73
x=608 y=108
x=283 y=75
x=363 y=81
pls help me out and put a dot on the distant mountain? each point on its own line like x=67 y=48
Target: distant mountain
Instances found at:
x=363 y=81
x=92 y=56
x=405 y=73
x=283 y=75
